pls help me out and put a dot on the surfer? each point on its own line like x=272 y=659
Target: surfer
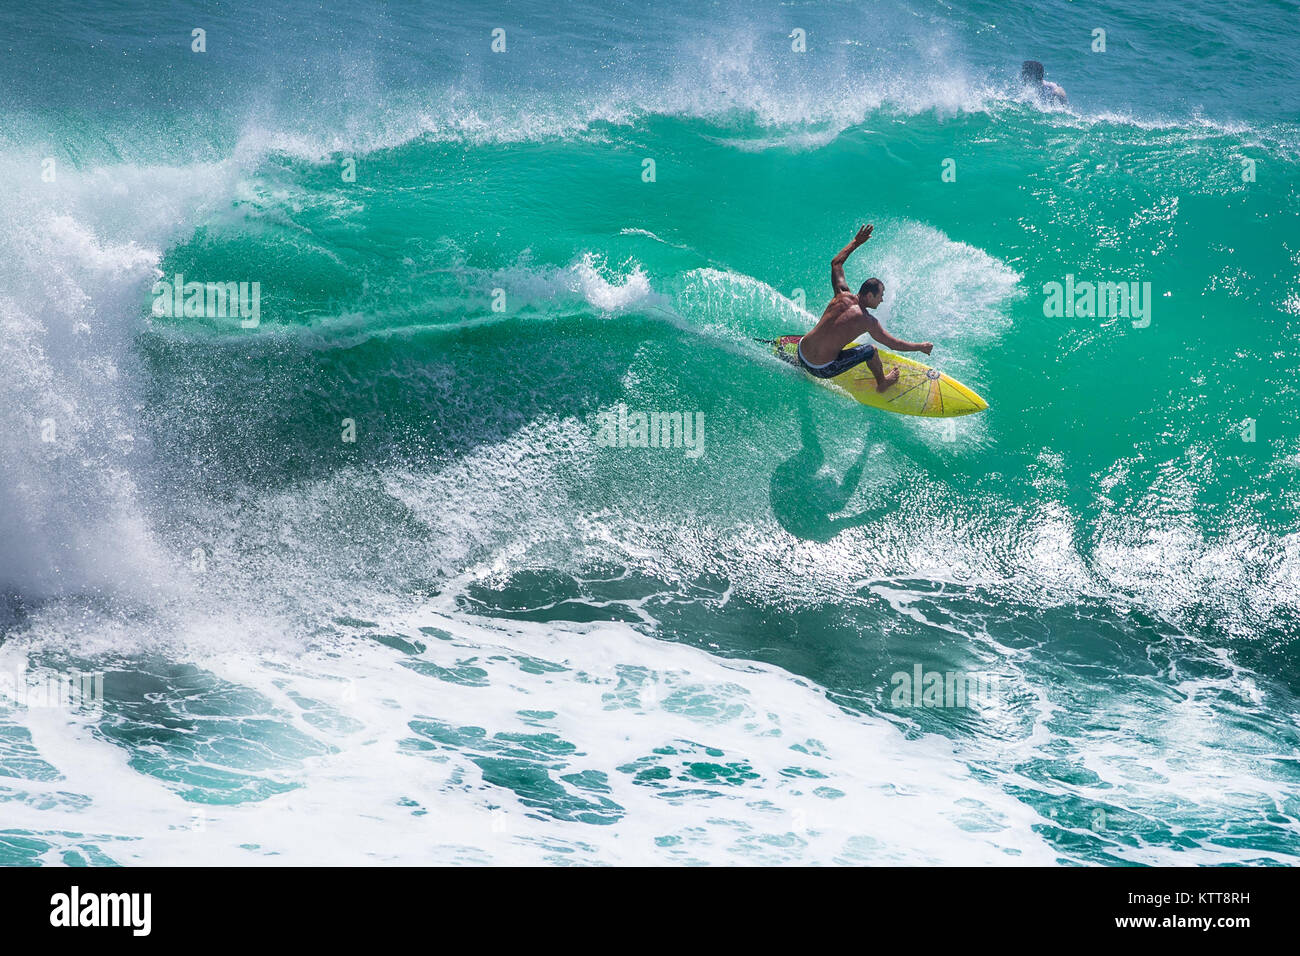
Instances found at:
x=1031 y=75
x=822 y=351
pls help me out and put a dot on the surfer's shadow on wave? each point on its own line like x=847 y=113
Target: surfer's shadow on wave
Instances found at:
x=804 y=498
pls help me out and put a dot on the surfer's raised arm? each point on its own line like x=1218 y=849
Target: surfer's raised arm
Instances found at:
x=838 y=282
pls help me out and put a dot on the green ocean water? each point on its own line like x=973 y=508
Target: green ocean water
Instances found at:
x=475 y=633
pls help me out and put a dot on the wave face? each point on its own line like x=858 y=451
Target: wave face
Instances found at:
x=370 y=557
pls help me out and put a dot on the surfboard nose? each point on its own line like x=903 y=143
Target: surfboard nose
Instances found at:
x=961 y=394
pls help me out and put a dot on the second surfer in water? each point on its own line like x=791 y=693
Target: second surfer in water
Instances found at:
x=822 y=351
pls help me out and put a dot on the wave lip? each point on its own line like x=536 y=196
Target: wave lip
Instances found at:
x=77 y=256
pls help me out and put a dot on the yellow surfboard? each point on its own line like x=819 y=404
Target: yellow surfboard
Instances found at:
x=920 y=390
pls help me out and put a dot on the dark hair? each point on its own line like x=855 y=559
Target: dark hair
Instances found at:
x=873 y=286
x=1032 y=72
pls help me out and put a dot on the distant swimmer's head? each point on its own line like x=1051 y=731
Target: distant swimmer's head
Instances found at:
x=870 y=294
x=1031 y=75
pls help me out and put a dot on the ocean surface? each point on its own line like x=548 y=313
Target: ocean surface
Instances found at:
x=358 y=580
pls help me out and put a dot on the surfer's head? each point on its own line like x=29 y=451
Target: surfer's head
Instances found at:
x=870 y=294
x=1031 y=73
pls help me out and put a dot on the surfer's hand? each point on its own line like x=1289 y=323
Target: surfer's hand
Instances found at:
x=925 y=347
x=863 y=234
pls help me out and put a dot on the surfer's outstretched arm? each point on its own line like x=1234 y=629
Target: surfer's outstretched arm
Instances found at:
x=881 y=335
x=838 y=282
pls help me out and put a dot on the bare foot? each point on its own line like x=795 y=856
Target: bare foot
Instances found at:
x=890 y=378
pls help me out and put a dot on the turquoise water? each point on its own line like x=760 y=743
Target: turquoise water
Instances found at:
x=479 y=633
